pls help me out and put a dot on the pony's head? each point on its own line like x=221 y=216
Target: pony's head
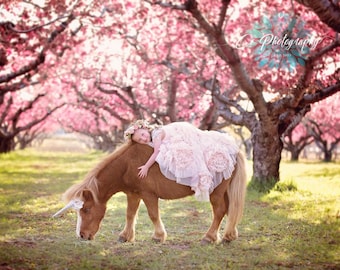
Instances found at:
x=90 y=213
x=90 y=196
x=89 y=216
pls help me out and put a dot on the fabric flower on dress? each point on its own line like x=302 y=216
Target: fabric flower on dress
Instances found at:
x=182 y=153
x=135 y=126
x=217 y=161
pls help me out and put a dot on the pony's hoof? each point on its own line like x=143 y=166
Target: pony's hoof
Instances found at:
x=225 y=241
x=122 y=239
x=157 y=240
x=229 y=238
x=205 y=241
x=231 y=235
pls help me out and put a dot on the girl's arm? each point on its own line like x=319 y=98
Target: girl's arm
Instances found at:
x=143 y=170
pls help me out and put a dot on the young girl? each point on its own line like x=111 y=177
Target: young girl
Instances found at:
x=190 y=156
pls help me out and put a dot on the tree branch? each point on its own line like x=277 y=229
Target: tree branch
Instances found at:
x=99 y=86
x=98 y=105
x=16 y=86
x=37 y=121
x=134 y=105
x=304 y=81
x=326 y=10
x=320 y=95
x=231 y=57
x=40 y=59
x=13 y=29
x=223 y=12
x=15 y=118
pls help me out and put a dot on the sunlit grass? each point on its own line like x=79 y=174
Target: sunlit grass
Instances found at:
x=280 y=230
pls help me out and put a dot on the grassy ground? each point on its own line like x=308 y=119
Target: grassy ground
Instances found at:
x=280 y=230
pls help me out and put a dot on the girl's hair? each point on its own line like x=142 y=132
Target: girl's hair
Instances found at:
x=138 y=125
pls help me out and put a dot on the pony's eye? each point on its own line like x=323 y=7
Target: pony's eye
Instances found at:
x=86 y=210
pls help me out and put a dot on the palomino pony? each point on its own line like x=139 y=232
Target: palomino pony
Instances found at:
x=118 y=172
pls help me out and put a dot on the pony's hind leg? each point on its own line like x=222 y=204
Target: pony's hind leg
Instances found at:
x=128 y=233
x=219 y=207
x=230 y=231
x=235 y=197
x=151 y=203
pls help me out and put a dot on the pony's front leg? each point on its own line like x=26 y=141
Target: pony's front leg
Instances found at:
x=151 y=203
x=128 y=234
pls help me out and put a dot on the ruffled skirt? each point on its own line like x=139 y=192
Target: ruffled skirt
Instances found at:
x=196 y=158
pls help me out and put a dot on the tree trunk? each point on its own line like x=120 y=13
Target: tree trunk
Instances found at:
x=327 y=155
x=295 y=154
x=6 y=144
x=267 y=148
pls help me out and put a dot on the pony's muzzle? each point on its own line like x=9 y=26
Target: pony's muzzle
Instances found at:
x=85 y=236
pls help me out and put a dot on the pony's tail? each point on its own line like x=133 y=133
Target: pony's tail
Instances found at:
x=236 y=197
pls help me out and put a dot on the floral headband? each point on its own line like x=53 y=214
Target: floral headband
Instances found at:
x=135 y=126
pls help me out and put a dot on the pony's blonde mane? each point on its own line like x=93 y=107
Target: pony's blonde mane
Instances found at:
x=90 y=181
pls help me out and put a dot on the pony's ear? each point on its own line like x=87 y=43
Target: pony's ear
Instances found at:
x=87 y=195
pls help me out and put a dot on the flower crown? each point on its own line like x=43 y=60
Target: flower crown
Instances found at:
x=135 y=126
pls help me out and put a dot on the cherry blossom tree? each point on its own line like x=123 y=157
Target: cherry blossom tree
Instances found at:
x=24 y=48
x=323 y=124
x=34 y=36
x=320 y=125
x=23 y=114
x=296 y=140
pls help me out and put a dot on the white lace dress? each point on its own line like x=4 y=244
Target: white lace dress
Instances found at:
x=196 y=158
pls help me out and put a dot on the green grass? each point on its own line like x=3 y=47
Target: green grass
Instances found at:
x=284 y=229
